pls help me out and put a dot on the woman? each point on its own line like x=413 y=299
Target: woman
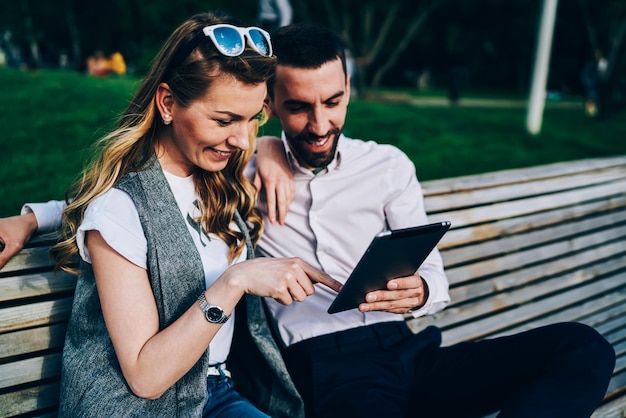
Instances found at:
x=163 y=220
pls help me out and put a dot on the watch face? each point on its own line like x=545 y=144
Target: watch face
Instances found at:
x=214 y=314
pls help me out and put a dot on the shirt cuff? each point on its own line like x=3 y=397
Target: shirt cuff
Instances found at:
x=49 y=215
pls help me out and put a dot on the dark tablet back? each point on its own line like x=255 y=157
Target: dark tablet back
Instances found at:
x=391 y=254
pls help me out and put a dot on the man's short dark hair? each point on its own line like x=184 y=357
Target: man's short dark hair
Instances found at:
x=306 y=45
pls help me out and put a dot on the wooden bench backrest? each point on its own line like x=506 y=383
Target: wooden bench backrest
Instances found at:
x=535 y=246
x=35 y=305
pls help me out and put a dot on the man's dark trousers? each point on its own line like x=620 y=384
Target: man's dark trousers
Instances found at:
x=384 y=370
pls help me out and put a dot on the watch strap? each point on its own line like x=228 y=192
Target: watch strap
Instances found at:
x=206 y=307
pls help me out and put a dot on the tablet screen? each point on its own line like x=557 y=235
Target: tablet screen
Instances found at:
x=391 y=254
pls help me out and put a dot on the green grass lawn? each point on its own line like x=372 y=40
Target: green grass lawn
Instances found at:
x=50 y=118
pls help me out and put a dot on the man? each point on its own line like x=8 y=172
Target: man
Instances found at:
x=366 y=362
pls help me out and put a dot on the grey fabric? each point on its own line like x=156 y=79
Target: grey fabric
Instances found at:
x=104 y=392
x=259 y=371
x=92 y=382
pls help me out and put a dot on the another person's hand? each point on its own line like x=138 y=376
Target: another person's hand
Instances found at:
x=402 y=295
x=283 y=279
x=15 y=231
x=274 y=175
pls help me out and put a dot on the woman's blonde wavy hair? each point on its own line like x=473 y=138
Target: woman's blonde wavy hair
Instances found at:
x=189 y=63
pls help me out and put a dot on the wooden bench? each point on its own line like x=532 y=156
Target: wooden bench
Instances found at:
x=35 y=305
x=535 y=246
x=528 y=247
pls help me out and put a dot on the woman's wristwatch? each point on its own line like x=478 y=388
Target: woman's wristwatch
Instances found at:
x=214 y=314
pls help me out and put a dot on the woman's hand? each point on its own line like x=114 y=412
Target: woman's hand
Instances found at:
x=283 y=279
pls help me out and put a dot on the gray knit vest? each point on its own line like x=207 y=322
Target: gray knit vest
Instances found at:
x=92 y=382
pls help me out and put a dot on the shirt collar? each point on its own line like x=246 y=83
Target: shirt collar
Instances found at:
x=335 y=164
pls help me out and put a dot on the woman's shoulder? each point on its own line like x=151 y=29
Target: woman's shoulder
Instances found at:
x=115 y=216
x=112 y=200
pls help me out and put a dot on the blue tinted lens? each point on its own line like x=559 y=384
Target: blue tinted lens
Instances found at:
x=229 y=40
x=260 y=41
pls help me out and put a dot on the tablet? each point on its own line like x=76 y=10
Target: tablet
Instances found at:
x=391 y=254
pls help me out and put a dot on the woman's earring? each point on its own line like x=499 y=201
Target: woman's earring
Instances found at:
x=167 y=119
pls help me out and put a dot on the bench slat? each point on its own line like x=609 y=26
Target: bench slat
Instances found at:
x=35 y=314
x=483 y=327
x=586 y=263
x=28 y=258
x=613 y=325
x=506 y=243
x=511 y=226
x=516 y=175
x=458 y=312
x=40 y=284
x=620 y=350
x=594 y=312
x=517 y=260
x=32 y=340
x=523 y=190
x=30 y=370
x=591 y=310
x=511 y=209
x=613 y=409
x=30 y=400
x=618 y=382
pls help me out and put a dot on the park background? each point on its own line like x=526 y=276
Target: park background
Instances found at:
x=406 y=54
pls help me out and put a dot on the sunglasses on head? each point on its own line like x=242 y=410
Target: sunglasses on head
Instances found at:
x=231 y=40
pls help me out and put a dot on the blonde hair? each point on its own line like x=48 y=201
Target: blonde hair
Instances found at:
x=189 y=63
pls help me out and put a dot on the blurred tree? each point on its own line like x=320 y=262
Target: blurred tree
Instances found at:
x=392 y=41
x=606 y=28
x=489 y=40
x=81 y=27
x=376 y=33
x=74 y=34
x=33 y=44
x=605 y=24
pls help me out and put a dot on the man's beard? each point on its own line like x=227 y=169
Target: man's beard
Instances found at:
x=299 y=146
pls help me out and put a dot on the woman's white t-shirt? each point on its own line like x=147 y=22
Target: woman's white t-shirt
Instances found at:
x=115 y=216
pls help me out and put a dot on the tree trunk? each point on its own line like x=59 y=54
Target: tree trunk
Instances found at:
x=30 y=35
x=366 y=38
x=74 y=36
x=616 y=45
x=607 y=35
x=591 y=30
x=301 y=10
x=417 y=23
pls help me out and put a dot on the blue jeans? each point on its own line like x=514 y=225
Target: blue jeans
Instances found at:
x=225 y=402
